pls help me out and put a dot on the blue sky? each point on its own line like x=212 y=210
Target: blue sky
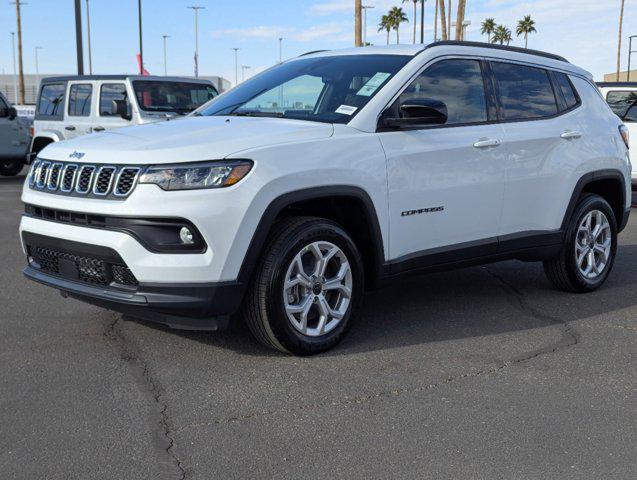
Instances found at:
x=585 y=31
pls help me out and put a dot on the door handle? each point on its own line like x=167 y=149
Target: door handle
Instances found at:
x=487 y=143
x=570 y=135
x=99 y=129
x=70 y=128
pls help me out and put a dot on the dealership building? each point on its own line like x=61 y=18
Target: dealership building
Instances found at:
x=31 y=83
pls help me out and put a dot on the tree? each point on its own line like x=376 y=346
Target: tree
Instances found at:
x=619 y=43
x=501 y=35
x=386 y=24
x=397 y=16
x=488 y=27
x=443 y=19
x=415 y=2
x=526 y=26
x=462 y=5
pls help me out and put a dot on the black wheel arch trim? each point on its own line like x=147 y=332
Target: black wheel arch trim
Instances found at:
x=276 y=206
x=606 y=174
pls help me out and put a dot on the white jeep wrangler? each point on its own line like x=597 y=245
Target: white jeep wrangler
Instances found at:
x=287 y=197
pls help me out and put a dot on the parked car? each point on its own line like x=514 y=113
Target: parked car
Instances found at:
x=287 y=197
x=69 y=107
x=14 y=139
x=622 y=98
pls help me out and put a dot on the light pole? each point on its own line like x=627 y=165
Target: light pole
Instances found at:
x=88 y=36
x=141 y=43
x=15 y=73
x=243 y=72
x=280 y=49
x=78 y=38
x=165 y=55
x=236 y=66
x=365 y=8
x=37 y=67
x=422 y=21
x=630 y=53
x=196 y=8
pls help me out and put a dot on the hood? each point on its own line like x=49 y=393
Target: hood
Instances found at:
x=185 y=140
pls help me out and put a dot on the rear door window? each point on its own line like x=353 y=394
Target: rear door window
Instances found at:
x=51 y=102
x=525 y=92
x=80 y=96
x=110 y=94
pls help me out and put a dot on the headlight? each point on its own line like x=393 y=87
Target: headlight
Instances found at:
x=192 y=176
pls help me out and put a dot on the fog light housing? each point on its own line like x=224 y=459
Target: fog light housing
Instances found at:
x=186 y=236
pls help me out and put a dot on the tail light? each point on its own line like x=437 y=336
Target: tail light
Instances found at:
x=623 y=131
x=31 y=131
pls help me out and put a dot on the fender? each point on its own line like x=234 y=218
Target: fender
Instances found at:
x=607 y=174
x=277 y=205
x=49 y=134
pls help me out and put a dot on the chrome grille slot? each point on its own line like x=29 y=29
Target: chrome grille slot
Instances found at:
x=68 y=178
x=54 y=176
x=126 y=181
x=104 y=180
x=85 y=179
x=42 y=174
x=32 y=172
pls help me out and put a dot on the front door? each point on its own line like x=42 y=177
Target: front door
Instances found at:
x=10 y=145
x=446 y=181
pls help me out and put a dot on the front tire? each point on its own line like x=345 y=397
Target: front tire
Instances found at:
x=10 y=168
x=307 y=287
x=590 y=244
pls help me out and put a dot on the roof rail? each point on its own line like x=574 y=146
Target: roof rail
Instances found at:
x=538 y=53
x=312 y=52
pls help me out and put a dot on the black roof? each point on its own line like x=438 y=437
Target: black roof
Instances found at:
x=527 y=51
x=617 y=84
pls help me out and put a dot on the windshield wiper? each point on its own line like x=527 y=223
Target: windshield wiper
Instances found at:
x=257 y=114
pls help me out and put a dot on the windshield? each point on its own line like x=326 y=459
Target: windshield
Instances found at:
x=323 y=89
x=621 y=101
x=174 y=97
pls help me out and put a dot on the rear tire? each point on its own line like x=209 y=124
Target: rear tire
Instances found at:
x=10 y=168
x=590 y=244
x=307 y=287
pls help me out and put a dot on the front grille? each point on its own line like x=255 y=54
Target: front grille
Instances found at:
x=104 y=180
x=85 y=269
x=108 y=182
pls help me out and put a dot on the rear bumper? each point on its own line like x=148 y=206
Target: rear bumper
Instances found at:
x=180 y=306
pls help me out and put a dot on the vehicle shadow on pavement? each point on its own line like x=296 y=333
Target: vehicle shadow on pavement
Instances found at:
x=473 y=302
x=18 y=180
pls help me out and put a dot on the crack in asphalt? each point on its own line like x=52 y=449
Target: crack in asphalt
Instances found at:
x=570 y=337
x=150 y=384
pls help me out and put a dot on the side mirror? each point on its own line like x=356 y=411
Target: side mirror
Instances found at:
x=122 y=109
x=417 y=112
x=12 y=113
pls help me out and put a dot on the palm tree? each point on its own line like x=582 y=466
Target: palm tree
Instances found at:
x=415 y=2
x=526 y=26
x=501 y=34
x=488 y=27
x=443 y=19
x=397 y=16
x=619 y=44
x=358 y=23
x=386 y=24
x=436 y=22
x=462 y=5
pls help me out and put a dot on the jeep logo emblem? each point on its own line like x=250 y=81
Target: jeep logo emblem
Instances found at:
x=77 y=155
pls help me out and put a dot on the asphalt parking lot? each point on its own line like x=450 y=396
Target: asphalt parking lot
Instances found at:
x=483 y=373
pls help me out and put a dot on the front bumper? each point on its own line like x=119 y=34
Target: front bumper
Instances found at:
x=86 y=272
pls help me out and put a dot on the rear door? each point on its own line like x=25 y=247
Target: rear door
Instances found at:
x=542 y=141
x=110 y=95
x=79 y=115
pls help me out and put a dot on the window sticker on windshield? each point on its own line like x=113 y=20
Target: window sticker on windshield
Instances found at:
x=346 y=110
x=372 y=84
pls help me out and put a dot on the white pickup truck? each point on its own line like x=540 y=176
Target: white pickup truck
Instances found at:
x=14 y=139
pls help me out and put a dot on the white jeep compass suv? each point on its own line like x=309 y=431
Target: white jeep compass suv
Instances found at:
x=287 y=197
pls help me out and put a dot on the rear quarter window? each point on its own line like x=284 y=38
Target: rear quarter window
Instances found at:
x=569 y=94
x=525 y=92
x=51 y=102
